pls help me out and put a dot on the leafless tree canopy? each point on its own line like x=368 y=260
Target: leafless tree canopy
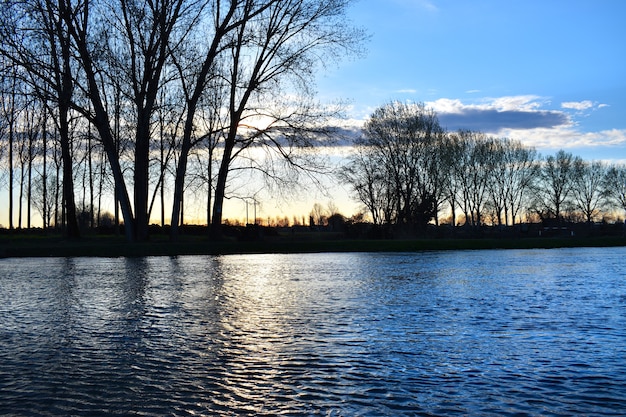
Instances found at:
x=406 y=171
x=160 y=82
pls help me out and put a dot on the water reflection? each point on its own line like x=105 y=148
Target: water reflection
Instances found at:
x=489 y=333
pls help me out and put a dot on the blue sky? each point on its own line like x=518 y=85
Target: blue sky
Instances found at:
x=551 y=73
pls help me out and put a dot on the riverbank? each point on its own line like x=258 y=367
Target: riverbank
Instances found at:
x=110 y=246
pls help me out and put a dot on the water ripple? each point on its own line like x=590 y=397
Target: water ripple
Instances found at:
x=458 y=333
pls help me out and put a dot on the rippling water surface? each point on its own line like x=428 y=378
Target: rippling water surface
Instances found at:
x=537 y=332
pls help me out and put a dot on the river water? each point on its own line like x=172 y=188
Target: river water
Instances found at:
x=516 y=332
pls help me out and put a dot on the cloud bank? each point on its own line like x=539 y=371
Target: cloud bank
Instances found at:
x=495 y=115
x=493 y=121
x=525 y=118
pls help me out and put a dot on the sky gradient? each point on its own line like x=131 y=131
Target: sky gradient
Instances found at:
x=550 y=73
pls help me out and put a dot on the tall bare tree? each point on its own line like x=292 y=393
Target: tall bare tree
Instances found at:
x=195 y=80
x=139 y=38
x=36 y=40
x=259 y=52
x=394 y=169
x=451 y=158
x=556 y=184
x=10 y=111
x=521 y=173
x=514 y=168
x=473 y=173
x=364 y=174
x=587 y=189
x=614 y=186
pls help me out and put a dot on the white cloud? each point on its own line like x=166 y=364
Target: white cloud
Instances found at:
x=446 y=105
x=577 y=105
x=490 y=115
x=506 y=103
x=581 y=106
x=516 y=103
x=407 y=91
x=565 y=137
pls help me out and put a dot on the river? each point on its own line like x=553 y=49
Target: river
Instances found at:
x=500 y=332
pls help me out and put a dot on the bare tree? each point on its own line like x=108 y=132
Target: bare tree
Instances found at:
x=556 y=184
x=614 y=186
x=587 y=190
x=212 y=120
x=92 y=47
x=513 y=170
x=370 y=186
x=10 y=111
x=110 y=62
x=451 y=158
x=271 y=45
x=44 y=202
x=140 y=38
x=521 y=173
x=439 y=173
x=44 y=192
x=22 y=118
x=473 y=173
x=37 y=41
x=318 y=215
x=198 y=77
x=169 y=122
x=497 y=185
x=393 y=171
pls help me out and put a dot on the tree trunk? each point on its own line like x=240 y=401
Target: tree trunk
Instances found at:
x=44 y=211
x=101 y=122
x=192 y=106
x=162 y=191
x=83 y=204
x=65 y=97
x=116 y=146
x=209 y=189
x=112 y=152
x=121 y=194
x=453 y=216
x=30 y=182
x=100 y=183
x=11 y=139
x=182 y=210
x=116 y=214
x=91 y=185
x=73 y=231
x=220 y=189
x=142 y=154
x=57 y=186
x=21 y=195
x=179 y=184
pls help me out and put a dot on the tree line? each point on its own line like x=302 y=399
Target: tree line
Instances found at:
x=116 y=98
x=408 y=171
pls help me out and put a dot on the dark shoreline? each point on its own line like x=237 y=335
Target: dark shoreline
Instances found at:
x=97 y=246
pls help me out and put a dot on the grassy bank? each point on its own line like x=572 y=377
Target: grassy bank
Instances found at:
x=105 y=246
